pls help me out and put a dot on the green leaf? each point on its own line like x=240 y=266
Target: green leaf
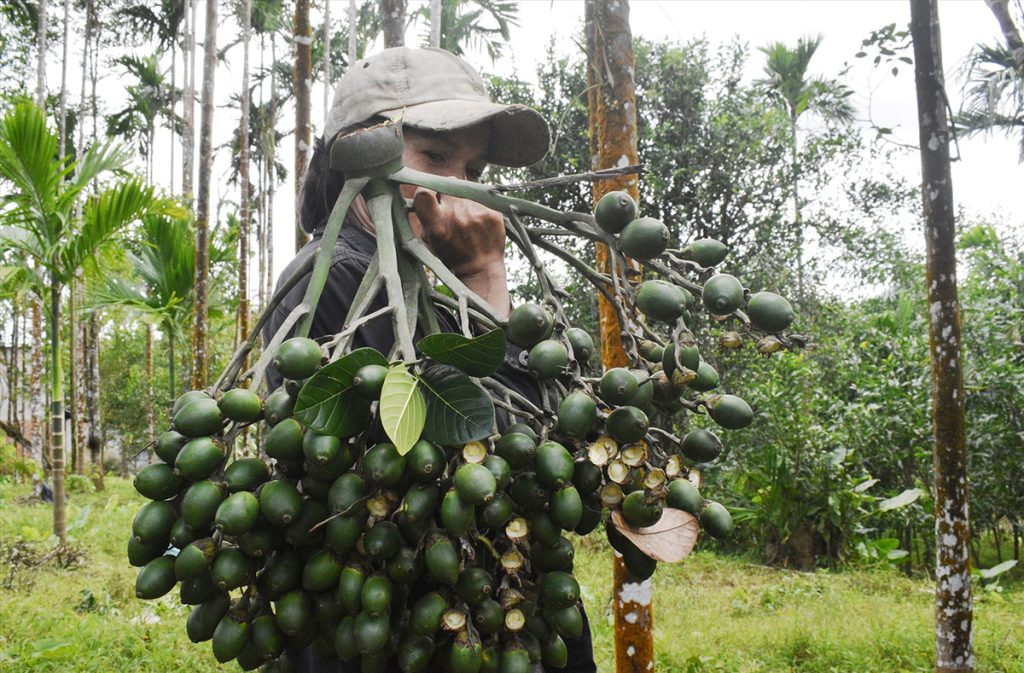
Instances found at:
x=458 y=410
x=864 y=485
x=51 y=648
x=328 y=404
x=480 y=356
x=995 y=571
x=902 y=500
x=403 y=411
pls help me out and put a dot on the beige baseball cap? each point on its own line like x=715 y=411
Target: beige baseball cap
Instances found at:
x=435 y=90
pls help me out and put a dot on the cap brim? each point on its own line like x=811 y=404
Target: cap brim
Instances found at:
x=519 y=135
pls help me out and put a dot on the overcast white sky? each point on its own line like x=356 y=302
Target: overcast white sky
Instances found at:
x=987 y=180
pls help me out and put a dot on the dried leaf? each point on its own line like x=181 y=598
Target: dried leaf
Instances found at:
x=670 y=540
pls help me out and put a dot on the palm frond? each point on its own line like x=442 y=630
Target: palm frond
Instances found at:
x=105 y=215
x=27 y=160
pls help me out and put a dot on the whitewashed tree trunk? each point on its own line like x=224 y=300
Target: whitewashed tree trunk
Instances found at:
x=953 y=607
x=435 y=23
x=611 y=99
x=353 y=37
x=327 y=58
x=41 y=55
x=199 y=323
x=243 y=172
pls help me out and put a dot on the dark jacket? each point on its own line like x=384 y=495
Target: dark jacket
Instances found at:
x=352 y=255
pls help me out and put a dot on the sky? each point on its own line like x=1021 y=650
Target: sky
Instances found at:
x=987 y=180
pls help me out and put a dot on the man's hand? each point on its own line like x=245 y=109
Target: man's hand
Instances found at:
x=469 y=238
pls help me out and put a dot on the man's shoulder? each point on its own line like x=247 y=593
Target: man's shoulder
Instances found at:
x=349 y=261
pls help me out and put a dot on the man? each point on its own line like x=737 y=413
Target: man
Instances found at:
x=451 y=128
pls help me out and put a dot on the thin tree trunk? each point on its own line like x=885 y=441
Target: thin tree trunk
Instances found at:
x=76 y=457
x=353 y=36
x=613 y=135
x=435 y=23
x=62 y=130
x=261 y=235
x=170 y=374
x=174 y=105
x=41 y=55
x=199 y=325
x=261 y=172
x=998 y=535
x=798 y=220
x=37 y=391
x=327 y=58
x=271 y=161
x=243 y=172
x=953 y=608
x=57 y=413
x=150 y=397
x=392 y=19
x=1001 y=10
x=94 y=438
x=301 y=83
x=15 y=365
x=188 y=59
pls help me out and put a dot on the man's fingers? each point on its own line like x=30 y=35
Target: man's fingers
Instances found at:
x=427 y=204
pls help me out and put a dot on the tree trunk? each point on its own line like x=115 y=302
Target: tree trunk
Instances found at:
x=41 y=55
x=94 y=438
x=76 y=455
x=1014 y=41
x=327 y=58
x=243 y=176
x=261 y=199
x=199 y=324
x=174 y=109
x=36 y=412
x=188 y=137
x=613 y=137
x=301 y=84
x=392 y=20
x=150 y=412
x=62 y=128
x=798 y=222
x=953 y=609
x=435 y=23
x=15 y=365
x=57 y=413
x=271 y=160
x=353 y=37
x=170 y=375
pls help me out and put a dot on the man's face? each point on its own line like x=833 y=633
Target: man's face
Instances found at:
x=455 y=154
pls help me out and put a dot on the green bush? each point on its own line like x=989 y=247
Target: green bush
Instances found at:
x=78 y=483
x=14 y=467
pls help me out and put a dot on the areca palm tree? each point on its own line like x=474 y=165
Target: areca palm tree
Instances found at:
x=994 y=89
x=161 y=290
x=164 y=22
x=789 y=85
x=474 y=23
x=36 y=221
x=149 y=98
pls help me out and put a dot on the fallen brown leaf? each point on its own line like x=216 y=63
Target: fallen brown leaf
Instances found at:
x=670 y=540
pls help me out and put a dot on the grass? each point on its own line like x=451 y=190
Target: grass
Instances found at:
x=711 y=613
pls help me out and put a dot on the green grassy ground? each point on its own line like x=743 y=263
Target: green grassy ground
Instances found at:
x=711 y=613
